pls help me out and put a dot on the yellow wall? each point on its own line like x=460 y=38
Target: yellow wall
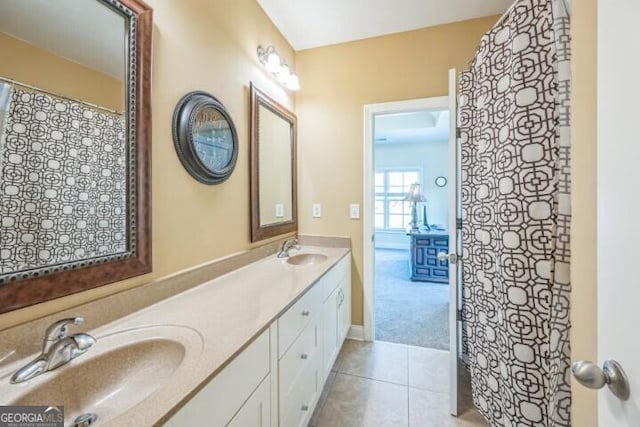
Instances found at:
x=583 y=226
x=207 y=45
x=337 y=81
x=38 y=67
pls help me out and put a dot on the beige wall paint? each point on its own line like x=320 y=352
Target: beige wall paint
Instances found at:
x=583 y=226
x=45 y=70
x=207 y=45
x=337 y=81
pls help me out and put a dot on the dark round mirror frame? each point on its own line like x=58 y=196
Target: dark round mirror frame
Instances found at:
x=184 y=116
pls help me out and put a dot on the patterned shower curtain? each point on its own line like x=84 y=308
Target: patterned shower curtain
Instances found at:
x=515 y=138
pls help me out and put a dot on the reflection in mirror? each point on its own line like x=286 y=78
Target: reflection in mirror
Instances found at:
x=273 y=168
x=63 y=181
x=212 y=139
x=68 y=183
x=275 y=150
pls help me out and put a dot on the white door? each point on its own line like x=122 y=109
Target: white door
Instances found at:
x=454 y=209
x=618 y=202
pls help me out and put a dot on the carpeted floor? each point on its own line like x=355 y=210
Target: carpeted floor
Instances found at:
x=413 y=313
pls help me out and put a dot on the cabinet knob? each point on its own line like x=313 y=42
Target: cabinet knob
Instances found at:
x=305 y=408
x=304 y=356
x=305 y=313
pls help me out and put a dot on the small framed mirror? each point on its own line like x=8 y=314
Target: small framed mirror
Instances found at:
x=205 y=137
x=273 y=168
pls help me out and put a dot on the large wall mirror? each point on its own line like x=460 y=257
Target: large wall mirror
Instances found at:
x=74 y=146
x=273 y=168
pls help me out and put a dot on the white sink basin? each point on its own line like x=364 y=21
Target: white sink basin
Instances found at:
x=118 y=372
x=306 y=259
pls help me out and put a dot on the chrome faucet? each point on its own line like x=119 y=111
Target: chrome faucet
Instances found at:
x=57 y=350
x=287 y=246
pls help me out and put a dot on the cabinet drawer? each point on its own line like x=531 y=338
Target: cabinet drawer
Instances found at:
x=217 y=403
x=293 y=321
x=333 y=277
x=296 y=408
x=301 y=355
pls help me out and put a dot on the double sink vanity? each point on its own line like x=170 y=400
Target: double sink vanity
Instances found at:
x=253 y=346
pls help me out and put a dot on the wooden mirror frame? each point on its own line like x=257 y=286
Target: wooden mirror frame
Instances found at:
x=259 y=232
x=33 y=289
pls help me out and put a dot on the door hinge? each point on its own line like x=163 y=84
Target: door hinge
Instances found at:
x=459 y=315
x=458 y=132
x=458 y=223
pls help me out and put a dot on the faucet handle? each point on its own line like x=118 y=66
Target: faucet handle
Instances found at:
x=293 y=243
x=58 y=330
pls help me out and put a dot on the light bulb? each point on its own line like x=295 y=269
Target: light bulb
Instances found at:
x=273 y=62
x=293 y=83
x=283 y=74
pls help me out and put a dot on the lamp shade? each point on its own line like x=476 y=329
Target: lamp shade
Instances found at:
x=414 y=194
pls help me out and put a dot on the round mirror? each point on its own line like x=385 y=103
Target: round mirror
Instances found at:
x=441 y=181
x=205 y=137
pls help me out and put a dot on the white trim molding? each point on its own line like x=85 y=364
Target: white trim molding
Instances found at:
x=356 y=332
x=368 y=224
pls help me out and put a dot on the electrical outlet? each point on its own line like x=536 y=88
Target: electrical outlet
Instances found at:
x=354 y=211
x=279 y=210
x=317 y=210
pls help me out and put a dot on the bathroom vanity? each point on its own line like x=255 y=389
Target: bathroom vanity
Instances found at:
x=277 y=379
x=252 y=346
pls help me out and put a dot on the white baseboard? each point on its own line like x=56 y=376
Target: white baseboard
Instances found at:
x=356 y=332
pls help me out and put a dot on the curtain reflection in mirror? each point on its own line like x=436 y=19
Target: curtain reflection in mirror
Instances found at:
x=62 y=180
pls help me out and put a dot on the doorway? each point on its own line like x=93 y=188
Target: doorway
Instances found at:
x=410 y=218
x=446 y=106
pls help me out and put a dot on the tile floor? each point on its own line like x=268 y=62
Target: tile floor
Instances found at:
x=383 y=384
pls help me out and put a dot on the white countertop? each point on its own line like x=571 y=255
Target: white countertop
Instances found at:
x=227 y=313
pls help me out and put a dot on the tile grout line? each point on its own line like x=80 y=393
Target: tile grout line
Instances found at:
x=372 y=379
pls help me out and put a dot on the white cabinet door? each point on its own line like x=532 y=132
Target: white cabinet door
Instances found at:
x=330 y=331
x=218 y=402
x=256 y=412
x=344 y=309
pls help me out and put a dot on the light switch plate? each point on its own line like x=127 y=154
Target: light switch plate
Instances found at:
x=354 y=211
x=317 y=210
x=279 y=210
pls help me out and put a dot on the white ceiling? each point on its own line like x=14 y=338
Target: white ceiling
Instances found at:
x=86 y=32
x=312 y=23
x=414 y=127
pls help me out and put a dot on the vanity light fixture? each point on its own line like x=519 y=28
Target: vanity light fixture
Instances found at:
x=277 y=66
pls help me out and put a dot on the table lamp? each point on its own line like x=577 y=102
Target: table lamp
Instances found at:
x=414 y=196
